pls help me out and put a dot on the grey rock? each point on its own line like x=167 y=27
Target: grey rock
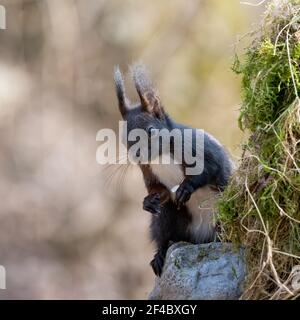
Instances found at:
x=213 y=271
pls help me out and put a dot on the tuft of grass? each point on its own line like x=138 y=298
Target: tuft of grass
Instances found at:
x=260 y=208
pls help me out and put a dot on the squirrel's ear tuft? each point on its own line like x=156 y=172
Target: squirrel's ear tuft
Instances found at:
x=148 y=95
x=120 y=90
x=151 y=103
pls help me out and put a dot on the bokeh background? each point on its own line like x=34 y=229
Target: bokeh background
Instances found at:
x=70 y=228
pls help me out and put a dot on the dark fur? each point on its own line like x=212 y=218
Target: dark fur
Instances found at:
x=170 y=220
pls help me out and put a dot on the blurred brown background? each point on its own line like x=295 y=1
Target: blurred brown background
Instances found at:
x=68 y=228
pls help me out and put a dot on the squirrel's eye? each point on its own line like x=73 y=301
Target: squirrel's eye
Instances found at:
x=152 y=131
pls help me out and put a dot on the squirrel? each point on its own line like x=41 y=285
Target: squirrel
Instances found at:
x=181 y=204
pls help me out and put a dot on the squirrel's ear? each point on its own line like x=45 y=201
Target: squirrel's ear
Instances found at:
x=120 y=90
x=148 y=95
x=151 y=103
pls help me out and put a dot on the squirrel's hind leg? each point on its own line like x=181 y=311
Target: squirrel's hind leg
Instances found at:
x=169 y=226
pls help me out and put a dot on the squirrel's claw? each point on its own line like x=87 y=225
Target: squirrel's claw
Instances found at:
x=157 y=263
x=183 y=194
x=151 y=203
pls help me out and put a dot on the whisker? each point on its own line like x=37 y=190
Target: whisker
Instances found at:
x=123 y=176
x=109 y=179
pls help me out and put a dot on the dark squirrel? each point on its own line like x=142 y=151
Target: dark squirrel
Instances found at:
x=186 y=214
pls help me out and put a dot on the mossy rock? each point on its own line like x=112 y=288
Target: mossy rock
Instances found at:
x=201 y=272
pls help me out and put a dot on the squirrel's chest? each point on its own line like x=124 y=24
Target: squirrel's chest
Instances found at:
x=200 y=204
x=168 y=172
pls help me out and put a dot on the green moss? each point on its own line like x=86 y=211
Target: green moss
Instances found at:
x=202 y=254
x=177 y=263
x=234 y=272
x=266 y=85
x=265 y=191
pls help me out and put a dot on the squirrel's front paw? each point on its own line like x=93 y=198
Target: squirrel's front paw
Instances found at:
x=183 y=194
x=152 y=203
